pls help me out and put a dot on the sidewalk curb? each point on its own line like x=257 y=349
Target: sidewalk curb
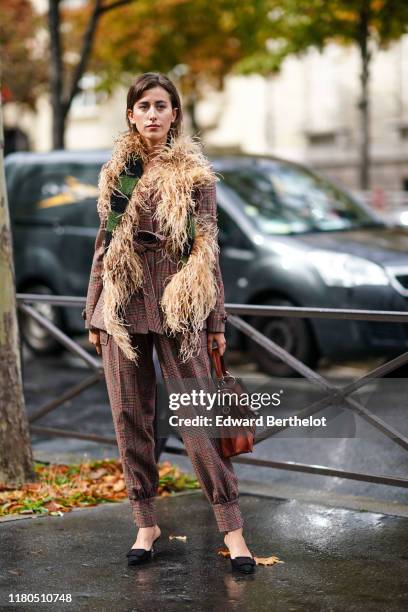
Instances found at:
x=333 y=500
x=20 y=517
x=256 y=489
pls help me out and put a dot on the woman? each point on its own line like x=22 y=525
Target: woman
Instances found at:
x=154 y=280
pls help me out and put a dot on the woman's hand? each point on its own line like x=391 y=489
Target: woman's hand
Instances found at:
x=94 y=338
x=219 y=338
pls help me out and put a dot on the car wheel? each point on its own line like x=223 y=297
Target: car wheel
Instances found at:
x=291 y=334
x=33 y=334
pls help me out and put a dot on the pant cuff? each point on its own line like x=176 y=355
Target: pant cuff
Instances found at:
x=144 y=512
x=228 y=516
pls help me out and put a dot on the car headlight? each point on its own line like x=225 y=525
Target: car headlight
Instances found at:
x=403 y=219
x=342 y=270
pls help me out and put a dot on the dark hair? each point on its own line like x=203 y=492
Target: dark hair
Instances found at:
x=148 y=80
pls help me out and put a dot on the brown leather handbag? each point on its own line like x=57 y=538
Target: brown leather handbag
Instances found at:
x=239 y=439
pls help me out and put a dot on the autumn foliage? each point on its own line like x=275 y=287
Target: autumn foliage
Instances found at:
x=24 y=65
x=61 y=487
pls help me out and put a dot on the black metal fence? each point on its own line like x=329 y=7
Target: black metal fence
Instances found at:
x=332 y=393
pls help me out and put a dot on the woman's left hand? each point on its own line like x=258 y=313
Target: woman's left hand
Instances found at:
x=219 y=338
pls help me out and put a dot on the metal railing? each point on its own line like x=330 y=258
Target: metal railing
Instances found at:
x=332 y=392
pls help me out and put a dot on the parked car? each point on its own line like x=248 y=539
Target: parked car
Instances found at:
x=53 y=216
x=398 y=216
x=288 y=236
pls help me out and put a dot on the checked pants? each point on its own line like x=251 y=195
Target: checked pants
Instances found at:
x=132 y=394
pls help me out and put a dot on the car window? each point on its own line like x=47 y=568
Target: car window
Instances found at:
x=54 y=191
x=285 y=199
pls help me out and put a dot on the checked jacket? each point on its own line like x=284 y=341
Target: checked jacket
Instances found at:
x=143 y=313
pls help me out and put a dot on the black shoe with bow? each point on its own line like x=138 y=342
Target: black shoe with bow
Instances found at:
x=245 y=565
x=137 y=556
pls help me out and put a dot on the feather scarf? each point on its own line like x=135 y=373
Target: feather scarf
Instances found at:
x=191 y=293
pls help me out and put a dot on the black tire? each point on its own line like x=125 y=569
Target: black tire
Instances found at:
x=33 y=335
x=292 y=334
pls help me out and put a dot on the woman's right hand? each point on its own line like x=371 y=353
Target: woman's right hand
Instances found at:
x=94 y=338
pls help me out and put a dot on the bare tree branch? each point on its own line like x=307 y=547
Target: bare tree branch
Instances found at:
x=114 y=5
x=56 y=71
x=61 y=102
x=87 y=43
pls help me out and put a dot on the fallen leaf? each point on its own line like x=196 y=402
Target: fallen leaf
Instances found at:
x=182 y=538
x=165 y=468
x=6 y=487
x=267 y=560
x=119 y=486
x=98 y=474
x=52 y=506
x=31 y=486
x=224 y=552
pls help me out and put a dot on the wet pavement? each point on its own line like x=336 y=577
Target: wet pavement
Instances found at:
x=344 y=544
x=334 y=559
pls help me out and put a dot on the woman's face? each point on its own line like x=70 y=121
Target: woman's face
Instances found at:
x=152 y=115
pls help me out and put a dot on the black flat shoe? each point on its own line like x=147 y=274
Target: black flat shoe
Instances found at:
x=245 y=565
x=137 y=556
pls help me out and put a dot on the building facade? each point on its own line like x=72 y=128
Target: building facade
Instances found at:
x=309 y=113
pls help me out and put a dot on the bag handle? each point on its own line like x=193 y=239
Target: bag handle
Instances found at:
x=219 y=364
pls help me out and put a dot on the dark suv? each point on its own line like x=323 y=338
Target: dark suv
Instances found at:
x=288 y=236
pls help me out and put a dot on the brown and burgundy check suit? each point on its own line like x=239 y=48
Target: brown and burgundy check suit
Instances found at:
x=132 y=388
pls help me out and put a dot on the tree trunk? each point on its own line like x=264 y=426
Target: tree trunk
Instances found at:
x=58 y=114
x=364 y=104
x=16 y=459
